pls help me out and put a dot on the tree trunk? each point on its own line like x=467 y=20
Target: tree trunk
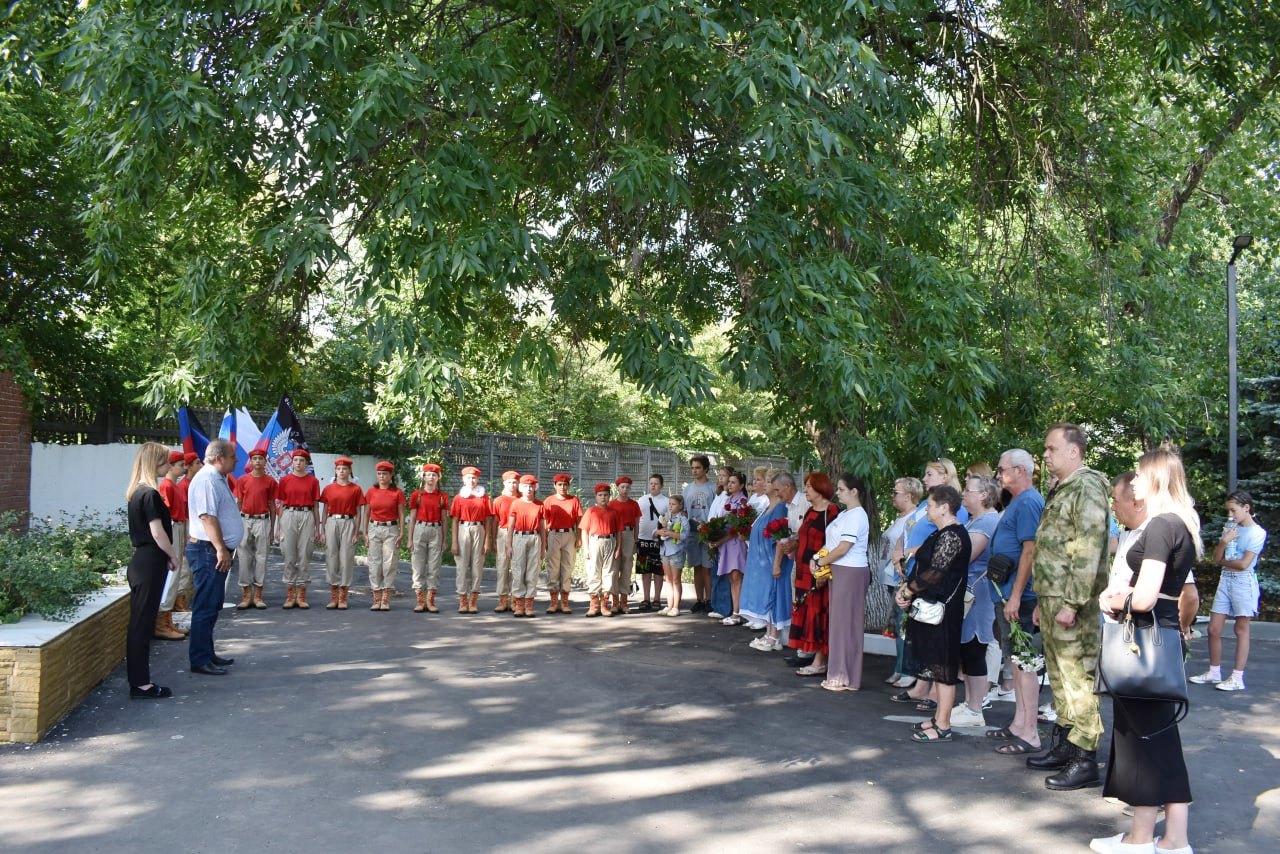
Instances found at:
x=828 y=440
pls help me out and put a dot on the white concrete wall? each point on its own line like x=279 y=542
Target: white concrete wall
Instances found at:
x=72 y=481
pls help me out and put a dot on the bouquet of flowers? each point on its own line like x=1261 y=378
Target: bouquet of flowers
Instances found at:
x=712 y=531
x=741 y=520
x=1024 y=652
x=778 y=530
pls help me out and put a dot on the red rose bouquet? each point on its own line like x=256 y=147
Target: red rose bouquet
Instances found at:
x=741 y=520
x=778 y=530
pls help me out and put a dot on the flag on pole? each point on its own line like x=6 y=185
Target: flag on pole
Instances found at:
x=194 y=437
x=239 y=429
x=280 y=438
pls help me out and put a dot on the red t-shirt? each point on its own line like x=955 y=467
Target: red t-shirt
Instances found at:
x=384 y=504
x=628 y=511
x=256 y=494
x=525 y=515
x=502 y=509
x=178 y=512
x=231 y=483
x=600 y=521
x=294 y=491
x=166 y=489
x=342 y=500
x=473 y=509
x=428 y=506
x=562 y=512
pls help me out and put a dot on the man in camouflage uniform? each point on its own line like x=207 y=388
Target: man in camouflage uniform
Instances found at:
x=1070 y=570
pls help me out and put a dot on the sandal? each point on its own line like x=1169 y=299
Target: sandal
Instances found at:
x=811 y=670
x=926 y=705
x=1017 y=747
x=904 y=697
x=1001 y=733
x=927 y=735
x=932 y=723
x=832 y=685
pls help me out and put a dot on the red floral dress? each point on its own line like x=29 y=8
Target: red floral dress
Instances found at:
x=809 y=613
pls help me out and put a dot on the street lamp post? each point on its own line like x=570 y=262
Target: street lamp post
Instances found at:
x=1240 y=244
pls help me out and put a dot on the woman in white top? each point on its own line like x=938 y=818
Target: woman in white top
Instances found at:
x=846 y=548
x=759 y=498
x=652 y=508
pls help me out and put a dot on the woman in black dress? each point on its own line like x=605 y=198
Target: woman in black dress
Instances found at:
x=1147 y=769
x=941 y=569
x=151 y=532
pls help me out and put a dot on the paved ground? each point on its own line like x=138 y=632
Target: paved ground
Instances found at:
x=343 y=731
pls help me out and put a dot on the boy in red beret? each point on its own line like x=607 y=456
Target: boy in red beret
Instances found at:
x=470 y=510
x=177 y=504
x=429 y=515
x=183 y=587
x=383 y=534
x=600 y=525
x=527 y=543
x=256 y=495
x=298 y=530
x=501 y=510
x=628 y=511
x=340 y=528
x=562 y=512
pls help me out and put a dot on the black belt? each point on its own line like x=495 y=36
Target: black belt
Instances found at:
x=524 y=533
x=437 y=524
x=471 y=523
x=561 y=530
x=603 y=536
x=384 y=524
x=627 y=528
x=288 y=507
x=342 y=516
x=255 y=515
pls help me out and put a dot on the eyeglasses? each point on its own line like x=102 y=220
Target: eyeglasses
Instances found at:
x=974 y=491
x=1001 y=469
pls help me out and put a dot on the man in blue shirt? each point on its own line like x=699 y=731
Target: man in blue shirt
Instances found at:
x=1015 y=538
x=215 y=529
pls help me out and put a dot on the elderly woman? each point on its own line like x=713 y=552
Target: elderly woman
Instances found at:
x=939 y=574
x=763 y=572
x=809 y=611
x=979 y=498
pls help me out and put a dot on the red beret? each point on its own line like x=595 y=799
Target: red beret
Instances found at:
x=342 y=461
x=384 y=466
x=528 y=478
x=302 y=452
x=562 y=478
x=512 y=475
x=176 y=456
x=623 y=479
x=430 y=467
x=602 y=487
x=190 y=457
x=471 y=470
x=257 y=452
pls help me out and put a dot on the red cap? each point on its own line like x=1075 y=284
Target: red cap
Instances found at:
x=430 y=467
x=623 y=479
x=471 y=470
x=562 y=478
x=603 y=487
x=302 y=452
x=513 y=475
x=528 y=478
x=190 y=457
x=175 y=456
x=342 y=461
x=384 y=466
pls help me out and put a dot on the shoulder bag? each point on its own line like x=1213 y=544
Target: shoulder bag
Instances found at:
x=931 y=613
x=1142 y=662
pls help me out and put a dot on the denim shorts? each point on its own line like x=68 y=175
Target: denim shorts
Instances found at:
x=697 y=554
x=1237 y=594
x=675 y=560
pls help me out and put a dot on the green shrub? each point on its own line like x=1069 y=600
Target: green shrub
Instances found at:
x=50 y=569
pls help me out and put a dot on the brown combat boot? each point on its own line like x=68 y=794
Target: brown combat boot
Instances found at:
x=246 y=599
x=564 y=602
x=622 y=604
x=503 y=604
x=462 y=603
x=594 y=609
x=474 y=606
x=302 y=599
x=528 y=607
x=431 y=602
x=180 y=604
x=517 y=607
x=377 y=601
x=554 y=607
x=422 y=602
x=386 y=600
x=343 y=593
x=291 y=598
x=165 y=629
x=333 y=598
x=605 y=610
x=257 y=598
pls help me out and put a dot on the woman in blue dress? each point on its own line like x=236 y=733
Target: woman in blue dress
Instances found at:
x=766 y=596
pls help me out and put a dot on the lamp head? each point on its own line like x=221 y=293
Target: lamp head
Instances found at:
x=1241 y=243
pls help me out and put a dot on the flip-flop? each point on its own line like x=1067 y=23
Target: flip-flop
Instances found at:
x=1001 y=733
x=1017 y=747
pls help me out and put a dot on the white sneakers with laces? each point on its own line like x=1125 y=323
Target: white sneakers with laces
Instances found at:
x=963 y=716
x=1231 y=683
x=1206 y=678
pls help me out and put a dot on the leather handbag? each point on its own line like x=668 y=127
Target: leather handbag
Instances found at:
x=931 y=613
x=1000 y=568
x=1142 y=661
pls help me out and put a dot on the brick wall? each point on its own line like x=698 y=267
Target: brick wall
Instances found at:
x=15 y=448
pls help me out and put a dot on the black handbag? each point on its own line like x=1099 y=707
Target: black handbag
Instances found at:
x=1000 y=568
x=1142 y=661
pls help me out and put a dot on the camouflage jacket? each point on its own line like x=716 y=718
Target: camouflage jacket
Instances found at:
x=1072 y=560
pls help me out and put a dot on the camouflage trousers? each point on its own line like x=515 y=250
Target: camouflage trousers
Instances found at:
x=1071 y=656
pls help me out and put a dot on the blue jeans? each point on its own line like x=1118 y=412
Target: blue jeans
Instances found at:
x=210 y=591
x=721 y=594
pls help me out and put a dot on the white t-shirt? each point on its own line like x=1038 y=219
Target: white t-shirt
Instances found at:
x=652 y=509
x=717 y=506
x=851 y=526
x=1120 y=572
x=759 y=502
x=796 y=510
x=1248 y=539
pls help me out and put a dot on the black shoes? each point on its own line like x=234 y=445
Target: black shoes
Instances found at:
x=210 y=670
x=1056 y=758
x=222 y=662
x=155 y=692
x=1081 y=771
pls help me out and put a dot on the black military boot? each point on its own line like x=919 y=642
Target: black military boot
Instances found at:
x=1055 y=759
x=1081 y=771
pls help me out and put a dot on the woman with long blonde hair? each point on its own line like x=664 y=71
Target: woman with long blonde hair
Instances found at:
x=1147 y=769
x=151 y=533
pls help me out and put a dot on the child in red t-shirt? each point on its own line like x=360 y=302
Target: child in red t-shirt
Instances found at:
x=600 y=528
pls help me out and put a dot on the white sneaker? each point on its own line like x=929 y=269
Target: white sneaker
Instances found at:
x=963 y=716
x=905 y=682
x=715 y=615
x=1206 y=678
x=999 y=695
x=1231 y=683
x=1117 y=845
x=1186 y=849
x=1048 y=713
x=756 y=625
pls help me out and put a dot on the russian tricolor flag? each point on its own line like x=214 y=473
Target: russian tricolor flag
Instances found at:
x=239 y=429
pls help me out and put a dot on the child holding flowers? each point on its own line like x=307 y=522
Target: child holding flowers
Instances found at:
x=674 y=531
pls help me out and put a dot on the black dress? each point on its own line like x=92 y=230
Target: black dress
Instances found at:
x=147 y=570
x=941 y=568
x=1151 y=772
